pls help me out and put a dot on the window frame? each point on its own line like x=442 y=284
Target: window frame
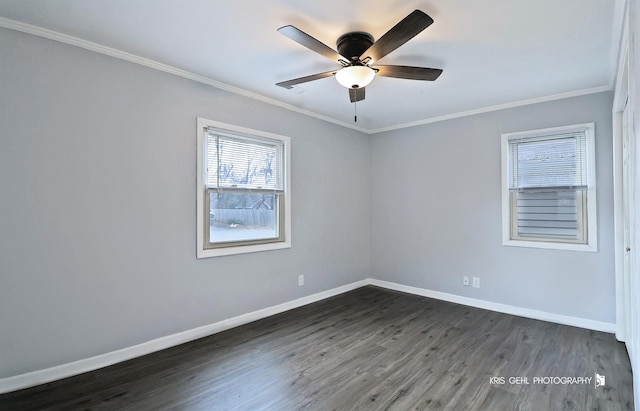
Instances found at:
x=587 y=204
x=202 y=220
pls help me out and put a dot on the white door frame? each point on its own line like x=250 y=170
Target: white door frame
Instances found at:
x=626 y=197
x=621 y=194
x=627 y=222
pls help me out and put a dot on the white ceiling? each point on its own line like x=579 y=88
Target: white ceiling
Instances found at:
x=493 y=52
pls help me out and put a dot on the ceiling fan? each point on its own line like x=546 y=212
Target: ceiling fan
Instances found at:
x=358 y=52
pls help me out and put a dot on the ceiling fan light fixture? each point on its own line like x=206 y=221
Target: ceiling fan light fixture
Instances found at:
x=355 y=76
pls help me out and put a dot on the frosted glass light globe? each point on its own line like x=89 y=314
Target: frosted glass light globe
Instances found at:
x=355 y=76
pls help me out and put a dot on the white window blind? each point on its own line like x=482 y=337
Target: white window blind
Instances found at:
x=243 y=163
x=549 y=162
x=548 y=214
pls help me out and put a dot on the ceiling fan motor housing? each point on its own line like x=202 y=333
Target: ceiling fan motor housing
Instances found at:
x=352 y=45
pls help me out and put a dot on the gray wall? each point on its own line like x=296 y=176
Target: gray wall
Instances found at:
x=97 y=206
x=436 y=213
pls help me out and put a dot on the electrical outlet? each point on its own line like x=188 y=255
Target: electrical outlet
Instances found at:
x=301 y=280
x=476 y=282
x=465 y=280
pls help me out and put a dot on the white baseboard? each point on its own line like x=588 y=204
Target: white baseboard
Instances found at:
x=501 y=308
x=38 y=377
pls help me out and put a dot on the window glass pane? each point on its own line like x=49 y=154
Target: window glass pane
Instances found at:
x=242 y=217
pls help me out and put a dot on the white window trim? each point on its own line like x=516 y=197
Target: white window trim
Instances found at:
x=592 y=225
x=203 y=252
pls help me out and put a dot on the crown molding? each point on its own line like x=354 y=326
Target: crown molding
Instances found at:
x=122 y=55
x=519 y=103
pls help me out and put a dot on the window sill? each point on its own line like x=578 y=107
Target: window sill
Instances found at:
x=551 y=245
x=219 y=252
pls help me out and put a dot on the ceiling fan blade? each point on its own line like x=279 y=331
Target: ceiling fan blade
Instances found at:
x=399 y=34
x=408 y=72
x=311 y=43
x=290 y=83
x=356 y=94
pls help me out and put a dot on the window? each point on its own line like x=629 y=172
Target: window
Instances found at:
x=548 y=188
x=243 y=180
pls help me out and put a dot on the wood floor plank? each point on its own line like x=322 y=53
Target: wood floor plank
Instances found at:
x=369 y=349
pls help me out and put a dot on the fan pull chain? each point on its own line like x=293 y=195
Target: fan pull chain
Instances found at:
x=355 y=111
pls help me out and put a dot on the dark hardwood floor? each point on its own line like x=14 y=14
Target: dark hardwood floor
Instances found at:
x=369 y=349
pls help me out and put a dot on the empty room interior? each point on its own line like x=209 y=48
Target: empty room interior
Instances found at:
x=319 y=205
